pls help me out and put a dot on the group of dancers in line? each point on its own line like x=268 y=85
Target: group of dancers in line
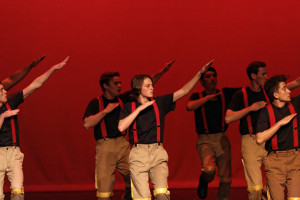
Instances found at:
x=268 y=127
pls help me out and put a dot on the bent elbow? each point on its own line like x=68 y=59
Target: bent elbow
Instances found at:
x=120 y=127
x=227 y=119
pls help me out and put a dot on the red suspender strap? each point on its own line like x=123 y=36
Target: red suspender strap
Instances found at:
x=203 y=115
x=135 y=136
x=157 y=120
x=223 y=111
x=250 y=128
x=272 y=123
x=266 y=96
x=102 y=123
x=13 y=127
x=295 y=126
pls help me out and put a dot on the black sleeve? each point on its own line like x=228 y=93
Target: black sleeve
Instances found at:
x=15 y=99
x=165 y=103
x=125 y=97
x=237 y=101
x=92 y=108
x=263 y=120
x=125 y=111
x=194 y=96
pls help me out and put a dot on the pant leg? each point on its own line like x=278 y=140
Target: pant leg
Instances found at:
x=253 y=155
x=293 y=176
x=15 y=174
x=105 y=167
x=123 y=164
x=206 y=151
x=3 y=167
x=159 y=172
x=223 y=159
x=139 y=172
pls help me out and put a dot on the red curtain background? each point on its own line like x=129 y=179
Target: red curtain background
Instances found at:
x=133 y=37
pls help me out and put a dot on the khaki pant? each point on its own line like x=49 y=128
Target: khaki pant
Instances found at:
x=11 y=160
x=254 y=156
x=111 y=154
x=149 y=160
x=215 y=151
x=283 y=170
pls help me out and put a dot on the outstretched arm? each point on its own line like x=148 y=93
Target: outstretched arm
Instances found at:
x=195 y=104
x=293 y=84
x=93 y=120
x=261 y=137
x=39 y=81
x=12 y=80
x=189 y=85
x=232 y=116
x=125 y=123
x=6 y=114
x=157 y=76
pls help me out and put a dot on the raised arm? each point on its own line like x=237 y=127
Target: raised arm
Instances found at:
x=157 y=76
x=12 y=80
x=125 y=123
x=39 y=81
x=93 y=120
x=261 y=137
x=193 y=105
x=232 y=116
x=293 y=84
x=189 y=85
x=6 y=114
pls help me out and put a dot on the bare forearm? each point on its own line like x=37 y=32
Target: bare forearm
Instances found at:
x=12 y=80
x=186 y=88
x=1 y=120
x=127 y=121
x=93 y=120
x=193 y=105
x=262 y=137
x=294 y=84
x=232 y=116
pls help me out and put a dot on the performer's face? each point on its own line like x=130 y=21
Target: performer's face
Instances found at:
x=3 y=97
x=114 y=86
x=283 y=93
x=261 y=77
x=209 y=80
x=147 y=88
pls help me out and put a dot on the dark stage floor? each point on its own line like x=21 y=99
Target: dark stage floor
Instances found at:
x=176 y=194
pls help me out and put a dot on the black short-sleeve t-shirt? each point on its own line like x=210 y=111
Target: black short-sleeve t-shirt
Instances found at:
x=285 y=136
x=146 y=120
x=213 y=112
x=6 y=139
x=237 y=104
x=111 y=120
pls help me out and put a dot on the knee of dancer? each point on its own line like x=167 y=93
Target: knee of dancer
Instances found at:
x=208 y=173
x=225 y=180
x=17 y=191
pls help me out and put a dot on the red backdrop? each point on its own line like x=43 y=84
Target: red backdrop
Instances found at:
x=133 y=37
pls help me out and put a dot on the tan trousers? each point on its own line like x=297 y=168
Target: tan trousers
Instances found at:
x=11 y=160
x=283 y=170
x=111 y=154
x=149 y=160
x=253 y=156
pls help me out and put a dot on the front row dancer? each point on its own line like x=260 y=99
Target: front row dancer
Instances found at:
x=278 y=126
x=145 y=119
x=10 y=155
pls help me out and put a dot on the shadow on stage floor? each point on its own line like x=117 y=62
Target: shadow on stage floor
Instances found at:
x=176 y=194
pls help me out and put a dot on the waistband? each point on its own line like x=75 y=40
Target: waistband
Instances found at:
x=147 y=145
x=284 y=153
